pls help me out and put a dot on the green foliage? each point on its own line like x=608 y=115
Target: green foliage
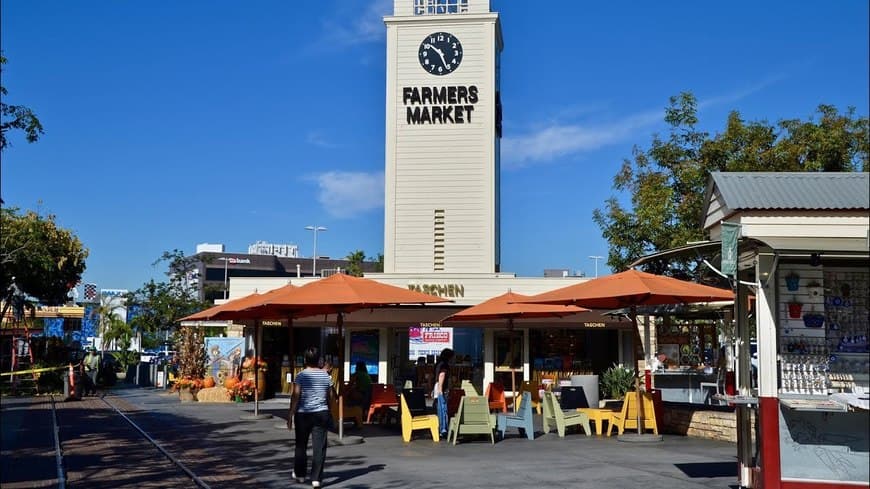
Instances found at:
x=616 y=381
x=44 y=260
x=162 y=304
x=666 y=183
x=380 y=263
x=50 y=382
x=355 y=259
x=16 y=117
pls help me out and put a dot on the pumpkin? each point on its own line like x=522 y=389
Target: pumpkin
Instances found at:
x=231 y=382
x=208 y=382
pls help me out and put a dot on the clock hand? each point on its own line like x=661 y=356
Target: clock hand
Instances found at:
x=440 y=53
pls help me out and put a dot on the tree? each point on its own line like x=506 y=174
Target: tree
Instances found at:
x=41 y=259
x=379 y=263
x=355 y=262
x=16 y=117
x=113 y=331
x=666 y=183
x=160 y=305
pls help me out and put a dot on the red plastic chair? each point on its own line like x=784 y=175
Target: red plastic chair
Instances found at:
x=495 y=396
x=383 y=397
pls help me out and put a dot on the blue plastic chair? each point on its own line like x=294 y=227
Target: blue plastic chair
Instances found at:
x=522 y=419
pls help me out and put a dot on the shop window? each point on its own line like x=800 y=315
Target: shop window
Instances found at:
x=364 y=347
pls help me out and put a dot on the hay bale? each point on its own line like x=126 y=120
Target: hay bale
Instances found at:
x=213 y=394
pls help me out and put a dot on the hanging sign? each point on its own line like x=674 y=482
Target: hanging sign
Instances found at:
x=730 y=235
x=428 y=340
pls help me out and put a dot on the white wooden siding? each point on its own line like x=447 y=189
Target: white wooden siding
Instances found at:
x=440 y=166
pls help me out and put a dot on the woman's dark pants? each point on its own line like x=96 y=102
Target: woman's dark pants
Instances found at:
x=312 y=425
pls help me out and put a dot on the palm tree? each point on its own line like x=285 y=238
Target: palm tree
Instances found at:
x=355 y=259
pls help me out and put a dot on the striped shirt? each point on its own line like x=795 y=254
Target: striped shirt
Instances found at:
x=314 y=383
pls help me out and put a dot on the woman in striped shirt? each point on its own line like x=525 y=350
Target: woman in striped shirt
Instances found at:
x=309 y=409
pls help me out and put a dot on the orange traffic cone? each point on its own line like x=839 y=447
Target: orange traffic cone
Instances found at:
x=72 y=383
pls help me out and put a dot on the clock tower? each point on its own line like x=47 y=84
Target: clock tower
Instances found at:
x=443 y=127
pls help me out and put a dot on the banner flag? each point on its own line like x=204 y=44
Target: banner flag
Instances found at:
x=91 y=293
x=730 y=235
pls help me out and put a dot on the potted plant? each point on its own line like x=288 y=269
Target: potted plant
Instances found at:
x=616 y=381
x=248 y=372
x=187 y=387
x=242 y=391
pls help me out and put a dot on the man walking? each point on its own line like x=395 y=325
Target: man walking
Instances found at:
x=92 y=369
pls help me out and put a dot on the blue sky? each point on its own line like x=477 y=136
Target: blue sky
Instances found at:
x=175 y=123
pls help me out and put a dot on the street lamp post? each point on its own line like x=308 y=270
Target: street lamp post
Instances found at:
x=314 y=257
x=596 y=258
x=226 y=260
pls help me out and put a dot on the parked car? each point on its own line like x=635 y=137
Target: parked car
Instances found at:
x=164 y=357
x=148 y=356
x=109 y=367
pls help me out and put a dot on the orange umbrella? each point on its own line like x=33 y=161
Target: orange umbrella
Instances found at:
x=337 y=294
x=632 y=288
x=236 y=309
x=508 y=306
x=342 y=293
x=228 y=310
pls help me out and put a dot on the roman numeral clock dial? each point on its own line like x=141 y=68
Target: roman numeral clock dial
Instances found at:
x=440 y=53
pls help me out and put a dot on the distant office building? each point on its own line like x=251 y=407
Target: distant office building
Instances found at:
x=211 y=272
x=556 y=272
x=264 y=248
x=209 y=248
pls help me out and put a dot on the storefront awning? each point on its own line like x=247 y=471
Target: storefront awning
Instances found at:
x=848 y=247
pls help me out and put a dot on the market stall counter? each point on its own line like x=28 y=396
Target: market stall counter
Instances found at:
x=684 y=385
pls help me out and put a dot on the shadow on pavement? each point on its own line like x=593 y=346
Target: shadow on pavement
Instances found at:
x=709 y=469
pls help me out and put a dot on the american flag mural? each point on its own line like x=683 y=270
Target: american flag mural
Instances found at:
x=91 y=293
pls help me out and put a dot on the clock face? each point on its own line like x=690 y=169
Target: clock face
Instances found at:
x=440 y=53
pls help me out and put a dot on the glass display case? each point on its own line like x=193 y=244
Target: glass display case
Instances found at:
x=823 y=323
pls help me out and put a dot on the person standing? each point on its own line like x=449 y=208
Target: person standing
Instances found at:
x=442 y=387
x=309 y=410
x=360 y=387
x=92 y=370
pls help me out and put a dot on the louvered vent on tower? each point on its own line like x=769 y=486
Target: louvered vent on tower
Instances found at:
x=438 y=241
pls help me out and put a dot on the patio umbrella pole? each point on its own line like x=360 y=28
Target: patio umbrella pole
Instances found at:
x=258 y=343
x=339 y=322
x=513 y=370
x=640 y=436
x=636 y=378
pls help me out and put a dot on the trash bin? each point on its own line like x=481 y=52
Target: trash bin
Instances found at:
x=143 y=374
x=130 y=376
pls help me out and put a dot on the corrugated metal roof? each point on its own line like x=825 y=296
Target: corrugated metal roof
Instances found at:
x=794 y=190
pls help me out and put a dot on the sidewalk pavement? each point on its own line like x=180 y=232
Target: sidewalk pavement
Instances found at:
x=226 y=451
